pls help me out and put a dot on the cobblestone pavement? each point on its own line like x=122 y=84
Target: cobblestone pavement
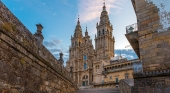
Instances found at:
x=104 y=90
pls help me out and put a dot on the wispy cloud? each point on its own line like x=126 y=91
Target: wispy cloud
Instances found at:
x=55 y=47
x=52 y=43
x=90 y=10
x=126 y=53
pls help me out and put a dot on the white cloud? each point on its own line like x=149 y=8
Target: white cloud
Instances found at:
x=89 y=10
x=53 y=43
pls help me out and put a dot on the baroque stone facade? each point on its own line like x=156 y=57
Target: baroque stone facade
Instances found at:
x=87 y=65
x=84 y=58
x=26 y=65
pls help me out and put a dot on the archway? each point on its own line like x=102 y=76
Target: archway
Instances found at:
x=85 y=80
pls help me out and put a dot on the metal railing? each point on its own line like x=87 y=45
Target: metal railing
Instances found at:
x=131 y=28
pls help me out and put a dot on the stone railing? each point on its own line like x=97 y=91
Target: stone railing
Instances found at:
x=131 y=28
x=120 y=69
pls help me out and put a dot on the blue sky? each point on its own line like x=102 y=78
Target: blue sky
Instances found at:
x=59 y=18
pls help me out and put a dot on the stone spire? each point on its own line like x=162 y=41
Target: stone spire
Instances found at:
x=78 y=22
x=104 y=7
x=86 y=33
x=104 y=18
x=78 y=30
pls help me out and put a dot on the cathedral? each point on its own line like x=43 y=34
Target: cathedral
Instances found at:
x=86 y=63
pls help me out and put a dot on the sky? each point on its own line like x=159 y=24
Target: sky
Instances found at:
x=59 y=19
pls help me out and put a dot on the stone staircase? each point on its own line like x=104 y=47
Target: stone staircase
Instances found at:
x=99 y=90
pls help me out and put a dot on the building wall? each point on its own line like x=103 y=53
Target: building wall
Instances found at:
x=154 y=44
x=97 y=71
x=152 y=85
x=80 y=55
x=154 y=40
x=25 y=66
x=126 y=86
x=113 y=73
x=120 y=75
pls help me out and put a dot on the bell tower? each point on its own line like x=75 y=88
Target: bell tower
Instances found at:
x=104 y=40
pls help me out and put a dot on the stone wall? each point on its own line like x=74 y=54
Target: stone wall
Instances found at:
x=126 y=86
x=154 y=42
x=152 y=82
x=154 y=45
x=25 y=67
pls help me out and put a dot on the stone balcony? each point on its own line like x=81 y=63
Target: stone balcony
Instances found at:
x=132 y=37
x=120 y=69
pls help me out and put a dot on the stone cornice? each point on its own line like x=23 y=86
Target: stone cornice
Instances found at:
x=155 y=73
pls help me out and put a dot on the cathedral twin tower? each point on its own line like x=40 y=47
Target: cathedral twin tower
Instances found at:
x=86 y=63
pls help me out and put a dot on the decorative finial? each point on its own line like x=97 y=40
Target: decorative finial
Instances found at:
x=39 y=28
x=104 y=2
x=104 y=7
x=78 y=22
x=86 y=33
x=86 y=28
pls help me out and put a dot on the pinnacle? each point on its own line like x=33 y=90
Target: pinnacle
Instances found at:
x=104 y=7
x=78 y=22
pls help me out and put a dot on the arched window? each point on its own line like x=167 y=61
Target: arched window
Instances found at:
x=85 y=57
x=85 y=66
x=99 y=33
x=85 y=77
